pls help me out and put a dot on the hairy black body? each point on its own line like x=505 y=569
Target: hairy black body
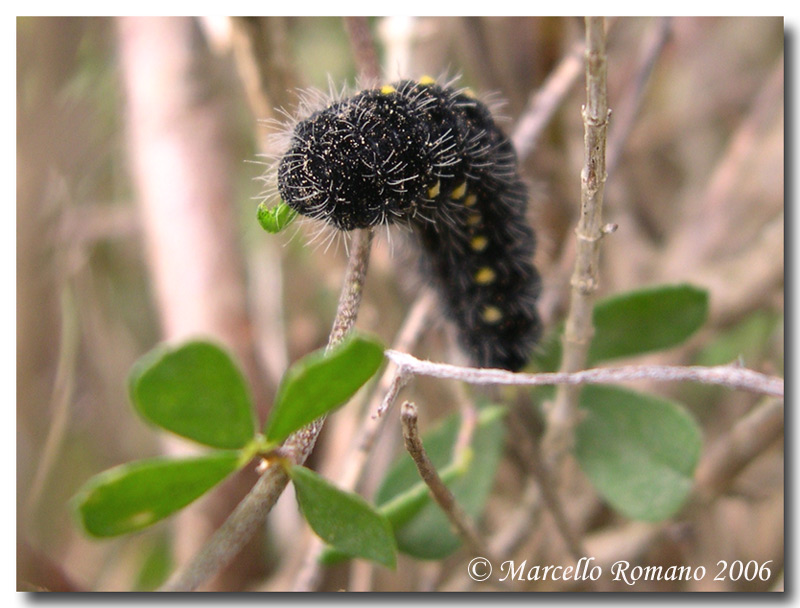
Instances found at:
x=431 y=157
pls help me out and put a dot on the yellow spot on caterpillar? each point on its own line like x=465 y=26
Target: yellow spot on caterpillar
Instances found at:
x=491 y=314
x=459 y=191
x=479 y=243
x=433 y=191
x=426 y=80
x=471 y=200
x=387 y=88
x=473 y=219
x=484 y=276
x=470 y=93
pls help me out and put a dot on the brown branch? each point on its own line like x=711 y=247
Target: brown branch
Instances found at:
x=578 y=330
x=350 y=298
x=738 y=283
x=263 y=60
x=439 y=491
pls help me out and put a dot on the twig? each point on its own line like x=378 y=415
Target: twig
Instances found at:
x=350 y=298
x=724 y=375
x=543 y=104
x=520 y=522
x=263 y=61
x=578 y=330
x=440 y=492
x=239 y=527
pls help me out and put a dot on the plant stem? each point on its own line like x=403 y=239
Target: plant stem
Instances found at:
x=440 y=492
x=226 y=542
x=730 y=376
x=578 y=331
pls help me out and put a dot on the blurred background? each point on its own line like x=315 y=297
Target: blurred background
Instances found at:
x=139 y=147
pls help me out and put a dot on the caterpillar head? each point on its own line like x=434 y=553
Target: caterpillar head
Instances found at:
x=358 y=163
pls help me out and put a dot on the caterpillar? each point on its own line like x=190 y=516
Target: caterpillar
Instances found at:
x=431 y=157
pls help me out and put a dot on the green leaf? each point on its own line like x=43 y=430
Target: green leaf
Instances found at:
x=319 y=383
x=274 y=219
x=428 y=534
x=646 y=320
x=639 y=451
x=400 y=509
x=632 y=323
x=344 y=520
x=196 y=391
x=135 y=495
x=156 y=566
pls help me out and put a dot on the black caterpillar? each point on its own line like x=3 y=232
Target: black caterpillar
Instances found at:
x=432 y=157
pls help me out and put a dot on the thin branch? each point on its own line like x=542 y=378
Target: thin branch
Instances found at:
x=739 y=282
x=229 y=538
x=440 y=492
x=350 y=298
x=520 y=522
x=578 y=329
x=263 y=61
x=245 y=519
x=730 y=376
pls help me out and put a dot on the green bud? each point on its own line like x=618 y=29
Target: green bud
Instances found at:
x=274 y=219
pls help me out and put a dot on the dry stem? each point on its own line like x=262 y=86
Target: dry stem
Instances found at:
x=724 y=375
x=439 y=491
x=585 y=278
